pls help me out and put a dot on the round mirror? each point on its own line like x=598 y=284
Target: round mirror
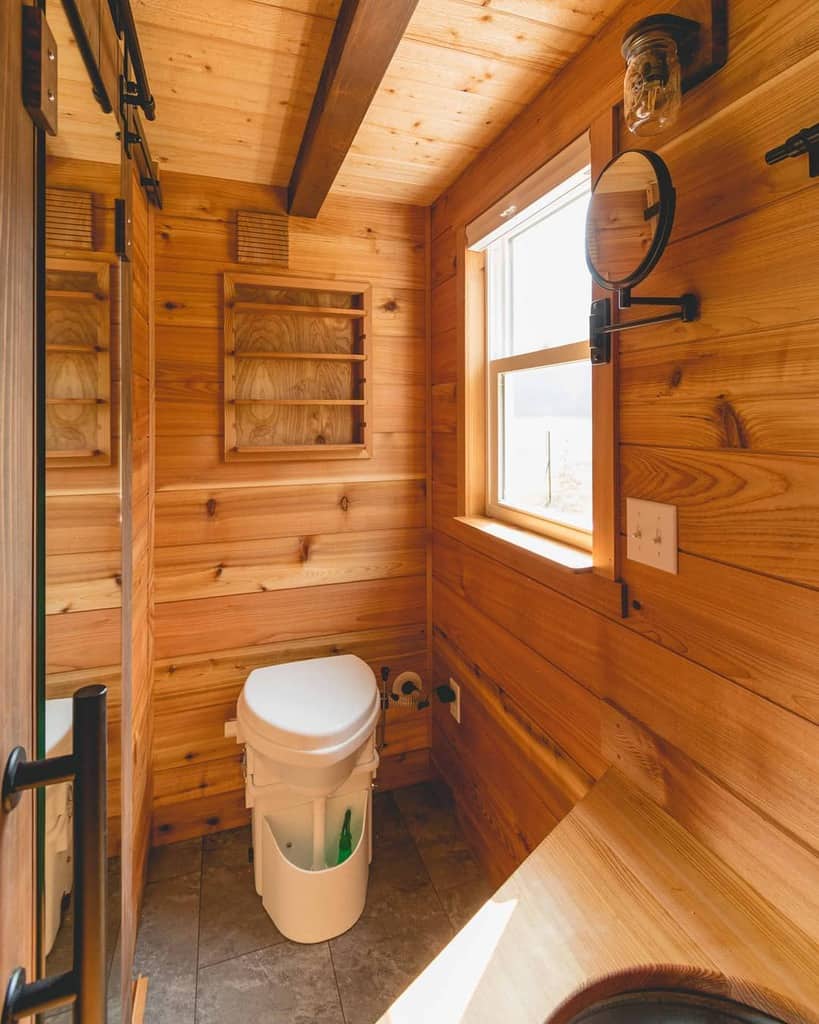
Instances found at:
x=629 y=220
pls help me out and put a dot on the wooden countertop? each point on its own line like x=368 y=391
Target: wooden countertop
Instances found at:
x=617 y=887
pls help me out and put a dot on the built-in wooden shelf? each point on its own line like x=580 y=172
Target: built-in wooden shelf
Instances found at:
x=76 y=401
x=277 y=307
x=74 y=348
x=342 y=357
x=78 y=362
x=299 y=401
x=295 y=352
x=75 y=293
x=323 y=450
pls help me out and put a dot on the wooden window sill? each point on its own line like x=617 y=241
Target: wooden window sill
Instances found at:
x=562 y=556
x=561 y=567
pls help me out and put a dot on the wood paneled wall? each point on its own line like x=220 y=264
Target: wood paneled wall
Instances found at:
x=83 y=560
x=260 y=561
x=707 y=694
x=138 y=380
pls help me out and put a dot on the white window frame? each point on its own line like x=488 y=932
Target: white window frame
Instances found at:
x=499 y=327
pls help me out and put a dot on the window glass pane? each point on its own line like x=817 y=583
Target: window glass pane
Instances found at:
x=545 y=442
x=550 y=283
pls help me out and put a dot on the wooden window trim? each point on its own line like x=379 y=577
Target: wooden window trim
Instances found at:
x=533 y=549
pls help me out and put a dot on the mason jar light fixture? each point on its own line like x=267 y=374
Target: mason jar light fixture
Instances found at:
x=654 y=50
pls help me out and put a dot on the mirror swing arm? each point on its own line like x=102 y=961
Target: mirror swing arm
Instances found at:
x=601 y=325
x=633 y=174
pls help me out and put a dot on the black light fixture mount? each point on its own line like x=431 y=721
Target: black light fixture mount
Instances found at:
x=805 y=141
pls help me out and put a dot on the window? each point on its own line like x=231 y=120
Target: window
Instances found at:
x=538 y=374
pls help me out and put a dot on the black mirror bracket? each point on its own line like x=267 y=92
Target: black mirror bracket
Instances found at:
x=601 y=326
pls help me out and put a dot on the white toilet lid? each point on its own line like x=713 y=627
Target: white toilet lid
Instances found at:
x=307 y=705
x=59 y=716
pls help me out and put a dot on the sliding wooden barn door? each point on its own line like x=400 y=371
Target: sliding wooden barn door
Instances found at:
x=17 y=494
x=137 y=559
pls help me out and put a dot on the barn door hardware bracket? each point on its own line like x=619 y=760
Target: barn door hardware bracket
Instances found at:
x=806 y=140
x=21 y=774
x=137 y=149
x=137 y=92
x=601 y=326
x=122 y=229
x=39 y=70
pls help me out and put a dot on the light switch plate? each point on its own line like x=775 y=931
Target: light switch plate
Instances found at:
x=652 y=534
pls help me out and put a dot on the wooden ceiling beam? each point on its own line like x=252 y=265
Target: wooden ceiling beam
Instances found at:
x=366 y=36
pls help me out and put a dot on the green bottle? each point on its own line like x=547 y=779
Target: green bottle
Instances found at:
x=345 y=842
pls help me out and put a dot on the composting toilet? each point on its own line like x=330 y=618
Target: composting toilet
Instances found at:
x=57 y=863
x=309 y=733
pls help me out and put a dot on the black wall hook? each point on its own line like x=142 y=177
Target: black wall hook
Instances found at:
x=806 y=140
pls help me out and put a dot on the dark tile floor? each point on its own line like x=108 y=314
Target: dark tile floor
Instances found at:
x=212 y=954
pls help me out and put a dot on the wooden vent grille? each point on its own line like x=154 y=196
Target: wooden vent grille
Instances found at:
x=262 y=238
x=69 y=219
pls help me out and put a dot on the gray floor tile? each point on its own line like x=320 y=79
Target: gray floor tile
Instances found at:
x=174 y=860
x=387 y=821
x=462 y=902
x=115 y=984
x=229 y=848
x=233 y=920
x=430 y=818
x=286 y=984
x=167 y=949
x=374 y=964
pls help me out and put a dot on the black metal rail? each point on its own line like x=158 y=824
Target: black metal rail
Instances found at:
x=137 y=92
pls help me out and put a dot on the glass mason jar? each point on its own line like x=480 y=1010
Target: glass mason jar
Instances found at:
x=652 y=90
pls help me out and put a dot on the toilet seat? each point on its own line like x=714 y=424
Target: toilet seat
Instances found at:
x=309 y=712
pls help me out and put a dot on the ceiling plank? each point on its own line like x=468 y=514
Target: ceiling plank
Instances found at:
x=366 y=36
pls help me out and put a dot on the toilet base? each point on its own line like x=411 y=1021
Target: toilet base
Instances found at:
x=266 y=794
x=309 y=904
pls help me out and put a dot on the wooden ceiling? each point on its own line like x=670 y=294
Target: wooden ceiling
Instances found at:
x=234 y=81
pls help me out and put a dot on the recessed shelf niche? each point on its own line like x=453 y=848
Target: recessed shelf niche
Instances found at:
x=78 y=363
x=296 y=354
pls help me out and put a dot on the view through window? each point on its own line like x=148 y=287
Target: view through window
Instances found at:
x=540 y=404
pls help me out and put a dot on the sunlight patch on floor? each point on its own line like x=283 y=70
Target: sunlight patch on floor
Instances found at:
x=446 y=988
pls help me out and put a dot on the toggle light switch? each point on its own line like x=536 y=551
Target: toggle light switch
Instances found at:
x=652 y=534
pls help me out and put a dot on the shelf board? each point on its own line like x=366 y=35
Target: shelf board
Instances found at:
x=77 y=453
x=298 y=401
x=89 y=350
x=76 y=401
x=297 y=449
x=57 y=293
x=276 y=307
x=346 y=357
